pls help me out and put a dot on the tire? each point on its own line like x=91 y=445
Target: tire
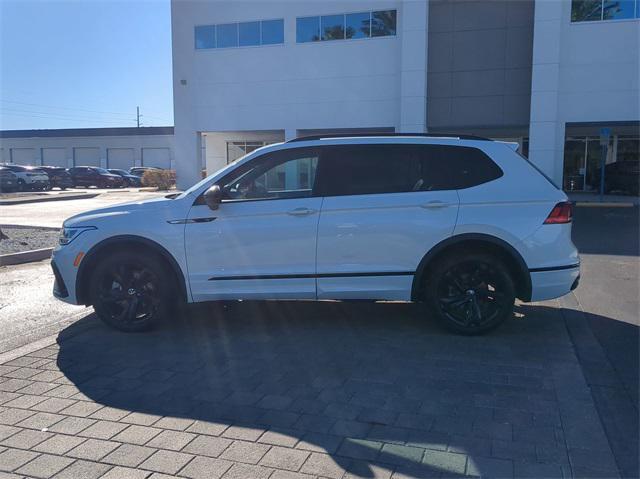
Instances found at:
x=21 y=185
x=470 y=293
x=131 y=291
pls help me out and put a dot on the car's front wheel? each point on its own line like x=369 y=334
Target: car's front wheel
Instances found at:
x=470 y=293
x=130 y=292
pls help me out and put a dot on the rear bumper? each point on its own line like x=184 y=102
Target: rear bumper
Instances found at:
x=550 y=283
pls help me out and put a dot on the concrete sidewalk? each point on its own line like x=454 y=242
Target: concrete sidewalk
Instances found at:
x=299 y=390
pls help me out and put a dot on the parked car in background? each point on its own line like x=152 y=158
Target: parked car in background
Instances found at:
x=93 y=176
x=622 y=177
x=8 y=180
x=139 y=170
x=129 y=179
x=463 y=224
x=29 y=177
x=58 y=177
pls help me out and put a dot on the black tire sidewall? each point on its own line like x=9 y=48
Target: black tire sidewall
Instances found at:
x=435 y=275
x=149 y=261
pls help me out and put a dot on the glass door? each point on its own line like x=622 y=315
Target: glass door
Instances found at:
x=575 y=150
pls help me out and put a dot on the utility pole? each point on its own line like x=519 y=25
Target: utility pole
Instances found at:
x=138 y=116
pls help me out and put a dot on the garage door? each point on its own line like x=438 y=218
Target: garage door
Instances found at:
x=121 y=158
x=54 y=157
x=86 y=156
x=2 y=160
x=23 y=156
x=160 y=157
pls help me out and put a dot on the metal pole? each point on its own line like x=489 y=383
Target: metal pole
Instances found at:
x=603 y=160
x=138 y=116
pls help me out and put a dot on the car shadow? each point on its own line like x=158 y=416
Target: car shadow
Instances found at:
x=371 y=384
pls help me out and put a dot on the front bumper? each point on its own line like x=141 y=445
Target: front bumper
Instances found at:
x=59 y=288
x=554 y=283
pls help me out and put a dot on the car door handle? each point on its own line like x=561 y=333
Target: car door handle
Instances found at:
x=434 y=204
x=301 y=212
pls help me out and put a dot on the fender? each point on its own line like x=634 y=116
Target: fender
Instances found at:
x=93 y=254
x=524 y=290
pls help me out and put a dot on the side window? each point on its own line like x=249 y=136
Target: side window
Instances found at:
x=368 y=169
x=283 y=174
x=444 y=167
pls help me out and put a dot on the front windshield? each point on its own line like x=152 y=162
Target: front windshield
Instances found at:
x=102 y=170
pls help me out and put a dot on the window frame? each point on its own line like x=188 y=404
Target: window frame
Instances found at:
x=344 y=26
x=634 y=17
x=237 y=25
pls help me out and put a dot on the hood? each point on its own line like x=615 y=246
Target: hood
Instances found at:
x=93 y=217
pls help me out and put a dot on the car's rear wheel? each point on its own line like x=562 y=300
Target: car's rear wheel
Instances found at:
x=130 y=292
x=470 y=293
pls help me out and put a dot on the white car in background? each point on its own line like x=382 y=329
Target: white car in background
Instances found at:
x=461 y=223
x=29 y=177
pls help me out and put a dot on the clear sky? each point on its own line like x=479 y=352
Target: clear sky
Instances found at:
x=84 y=63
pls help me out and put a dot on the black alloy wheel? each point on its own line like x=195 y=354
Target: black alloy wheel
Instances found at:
x=129 y=292
x=471 y=294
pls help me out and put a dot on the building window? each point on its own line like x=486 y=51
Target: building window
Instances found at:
x=237 y=149
x=244 y=34
x=380 y=23
x=596 y=10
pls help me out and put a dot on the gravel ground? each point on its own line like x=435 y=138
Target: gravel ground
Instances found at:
x=26 y=238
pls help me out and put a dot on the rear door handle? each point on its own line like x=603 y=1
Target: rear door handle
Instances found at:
x=301 y=212
x=434 y=204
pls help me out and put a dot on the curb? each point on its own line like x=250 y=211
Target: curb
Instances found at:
x=593 y=204
x=19 y=201
x=25 y=256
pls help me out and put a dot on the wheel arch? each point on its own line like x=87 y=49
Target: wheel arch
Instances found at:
x=108 y=245
x=477 y=242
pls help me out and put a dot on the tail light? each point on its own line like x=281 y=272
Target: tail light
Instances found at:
x=561 y=213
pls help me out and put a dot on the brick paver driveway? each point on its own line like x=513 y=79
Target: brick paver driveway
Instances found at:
x=287 y=390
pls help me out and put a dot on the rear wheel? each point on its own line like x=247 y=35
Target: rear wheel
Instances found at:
x=471 y=293
x=131 y=292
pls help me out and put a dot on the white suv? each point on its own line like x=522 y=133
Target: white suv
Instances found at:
x=462 y=223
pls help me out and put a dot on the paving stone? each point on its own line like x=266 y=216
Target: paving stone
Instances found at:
x=272 y=401
x=128 y=455
x=58 y=444
x=6 y=396
x=314 y=423
x=81 y=408
x=342 y=411
x=207 y=446
x=414 y=421
x=377 y=416
x=62 y=391
x=318 y=442
x=71 y=425
x=284 y=458
x=53 y=405
x=48 y=376
x=390 y=434
x=401 y=455
x=26 y=439
x=245 y=433
x=244 y=471
x=137 y=434
x=103 y=429
x=206 y=468
x=119 y=472
x=24 y=401
x=41 y=420
x=44 y=466
x=445 y=461
x=359 y=449
x=11 y=459
x=141 y=419
x=93 y=449
x=83 y=470
x=492 y=429
x=489 y=467
x=6 y=431
x=13 y=416
x=12 y=385
x=110 y=414
x=521 y=451
x=347 y=428
x=289 y=475
x=276 y=418
x=533 y=470
x=169 y=462
x=322 y=465
x=280 y=437
x=200 y=427
x=248 y=452
x=171 y=440
x=21 y=373
x=367 y=469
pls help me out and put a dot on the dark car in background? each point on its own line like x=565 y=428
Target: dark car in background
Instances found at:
x=8 y=181
x=94 y=176
x=622 y=177
x=129 y=179
x=139 y=170
x=58 y=177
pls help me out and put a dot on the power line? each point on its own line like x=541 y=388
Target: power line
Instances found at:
x=85 y=120
x=54 y=114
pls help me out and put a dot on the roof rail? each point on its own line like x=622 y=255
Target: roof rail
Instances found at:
x=365 y=135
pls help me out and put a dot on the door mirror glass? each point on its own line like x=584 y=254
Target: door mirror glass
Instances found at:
x=213 y=197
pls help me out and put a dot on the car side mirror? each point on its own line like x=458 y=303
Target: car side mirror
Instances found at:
x=213 y=197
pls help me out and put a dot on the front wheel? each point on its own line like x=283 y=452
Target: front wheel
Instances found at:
x=130 y=292
x=470 y=293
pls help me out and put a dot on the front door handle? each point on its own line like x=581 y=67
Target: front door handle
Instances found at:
x=301 y=212
x=434 y=204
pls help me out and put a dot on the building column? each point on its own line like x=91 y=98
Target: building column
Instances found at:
x=103 y=157
x=413 y=20
x=290 y=168
x=547 y=128
x=69 y=154
x=187 y=156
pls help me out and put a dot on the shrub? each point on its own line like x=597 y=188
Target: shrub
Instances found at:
x=162 y=179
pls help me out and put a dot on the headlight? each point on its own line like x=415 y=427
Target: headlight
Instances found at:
x=67 y=235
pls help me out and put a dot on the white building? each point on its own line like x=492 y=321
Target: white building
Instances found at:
x=253 y=72
x=104 y=147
